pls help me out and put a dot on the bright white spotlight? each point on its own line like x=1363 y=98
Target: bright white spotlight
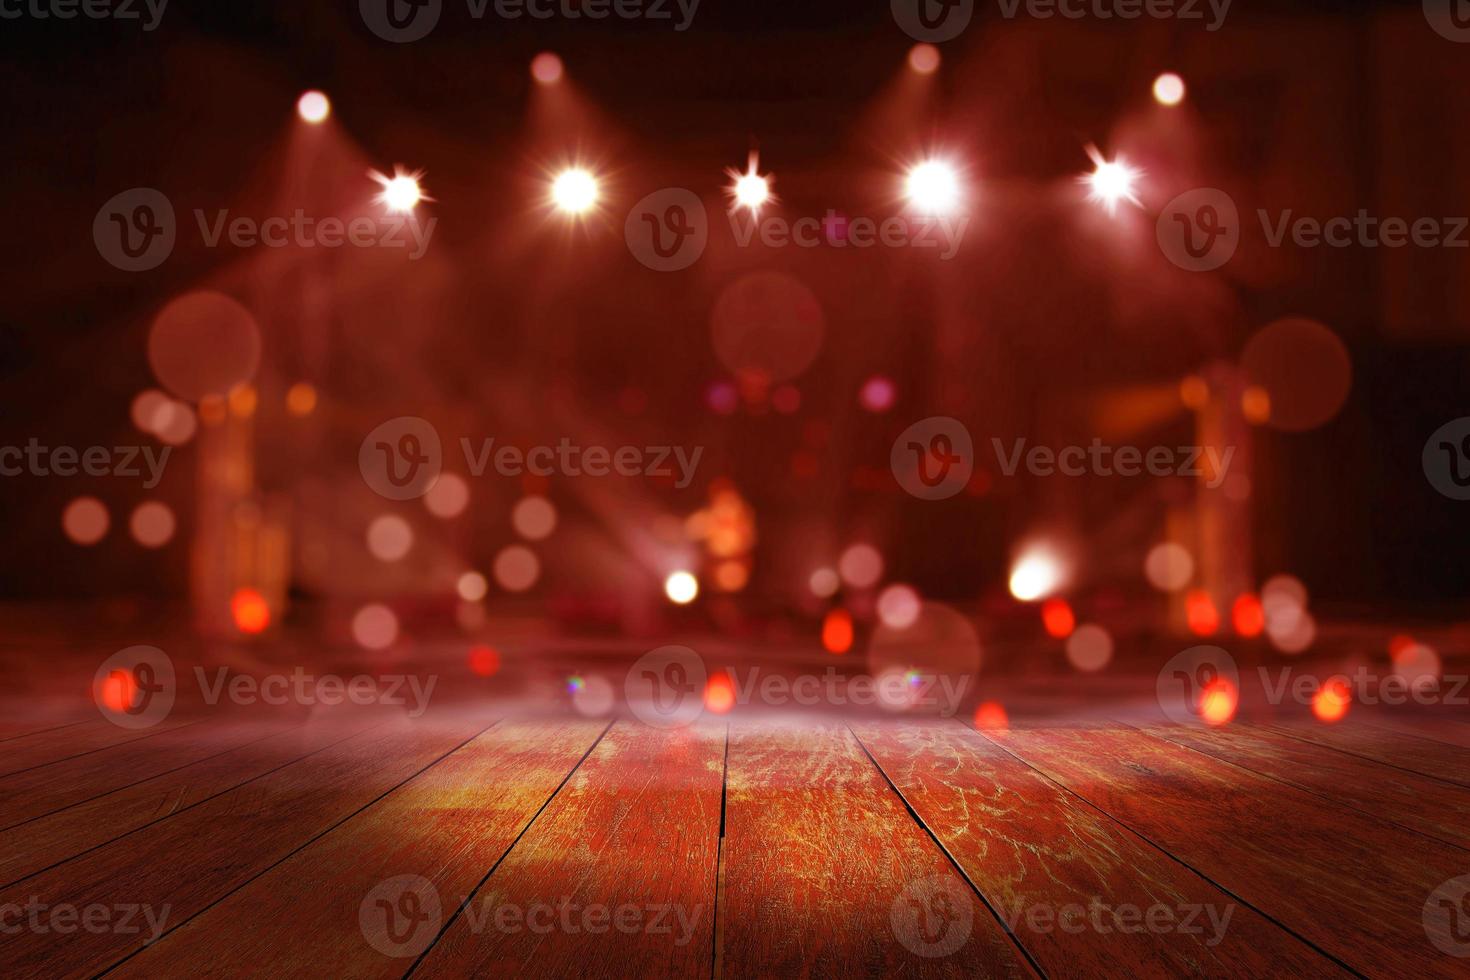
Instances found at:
x=313 y=106
x=681 y=588
x=1035 y=575
x=933 y=187
x=401 y=192
x=574 y=191
x=1169 y=89
x=1111 y=182
x=750 y=189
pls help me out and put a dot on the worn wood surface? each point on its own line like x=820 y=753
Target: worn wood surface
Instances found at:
x=445 y=828
x=1033 y=849
x=198 y=856
x=1344 y=881
x=825 y=873
x=615 y=879
x=1429 y=806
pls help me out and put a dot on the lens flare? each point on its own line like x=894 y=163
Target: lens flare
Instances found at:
x=933 y=187
x=1111 y=181
x=401 y=193
x=574 y=191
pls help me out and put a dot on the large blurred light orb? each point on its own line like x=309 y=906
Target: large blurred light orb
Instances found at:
x=1090 y=648
x=516 y=568
x=472 y=586
x=389 y=538
x=924 y=59
x=681 y=587
x=824 y=583
x=152 y=524
x=1035 y=575
x=547 y=68
x=574 y=191
x=898 y=607
x=448 y=497
x=313 y=106
x=1303 y=368
x=861 y=566
x=933 y=187
x=375 y=627
x=1169 y=89
x=85 y=520
x=203 y=343
x=534 y=518
x=1168 y=567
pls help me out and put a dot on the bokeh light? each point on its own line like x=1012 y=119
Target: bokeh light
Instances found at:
x=898 y=606
x=533 y=518
x=152 y=524
x=1057 y=618
x=375 y=627
x=824 y=583
x=85 y=521
x=1168 y=567
x=313 y=106
x=516 y=568
x=1169 y=89
x=924 y=59
x=837 y=631
x=484 y=660
x=389 y=538
x=719 y=693
x=471 y=586
x=448 y=497
x=547 y=68
x=250 y=612
x=861 y=566
x=681 y=587
x=1090 y=648
x=1036 y=574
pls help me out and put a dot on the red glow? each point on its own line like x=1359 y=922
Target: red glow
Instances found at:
x=991 y=716
x=1057 y=618
x=119 y=690
x=546 y=68
x=1247 y=615
x=719 y=694
x=837 y=631
x=251 y=612
x=1217 y=702
x=1399 y=644
x=1330 y=704
x=484 y=661
x=1200 y=613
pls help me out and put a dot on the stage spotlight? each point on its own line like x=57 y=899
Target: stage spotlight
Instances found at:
x=924 y=58
x=681 y=588
x=933 y=187
x=750 y=189
x=1035 y=575
x=401 y=192
x=313 y=106
x=1169 y=89
x=574 y=191
x=546 y=68
x=1112 y=181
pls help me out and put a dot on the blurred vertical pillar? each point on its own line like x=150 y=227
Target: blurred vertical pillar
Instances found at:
x=1225 y=556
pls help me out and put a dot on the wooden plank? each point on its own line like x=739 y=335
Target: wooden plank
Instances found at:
x=27 y=795
x=1353 y=886
x=181 y=865
x=1422 y=755
x=55 y=745
x=11 y=730
x=825 y=873
x=1424 y=805
x=34 y=846
x=445 y=828
x=1034 y=849
x=616 y=878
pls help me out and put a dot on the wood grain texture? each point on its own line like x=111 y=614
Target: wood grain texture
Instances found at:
x=825 y=873
x=41 y=843
x=1422 y=755
x=1033 y=849
x=195 y=858
x=447 y=826
x=1342 y=880
x=60 y=744
x=27 y=795
x=1416 y=802
x=617 y=877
